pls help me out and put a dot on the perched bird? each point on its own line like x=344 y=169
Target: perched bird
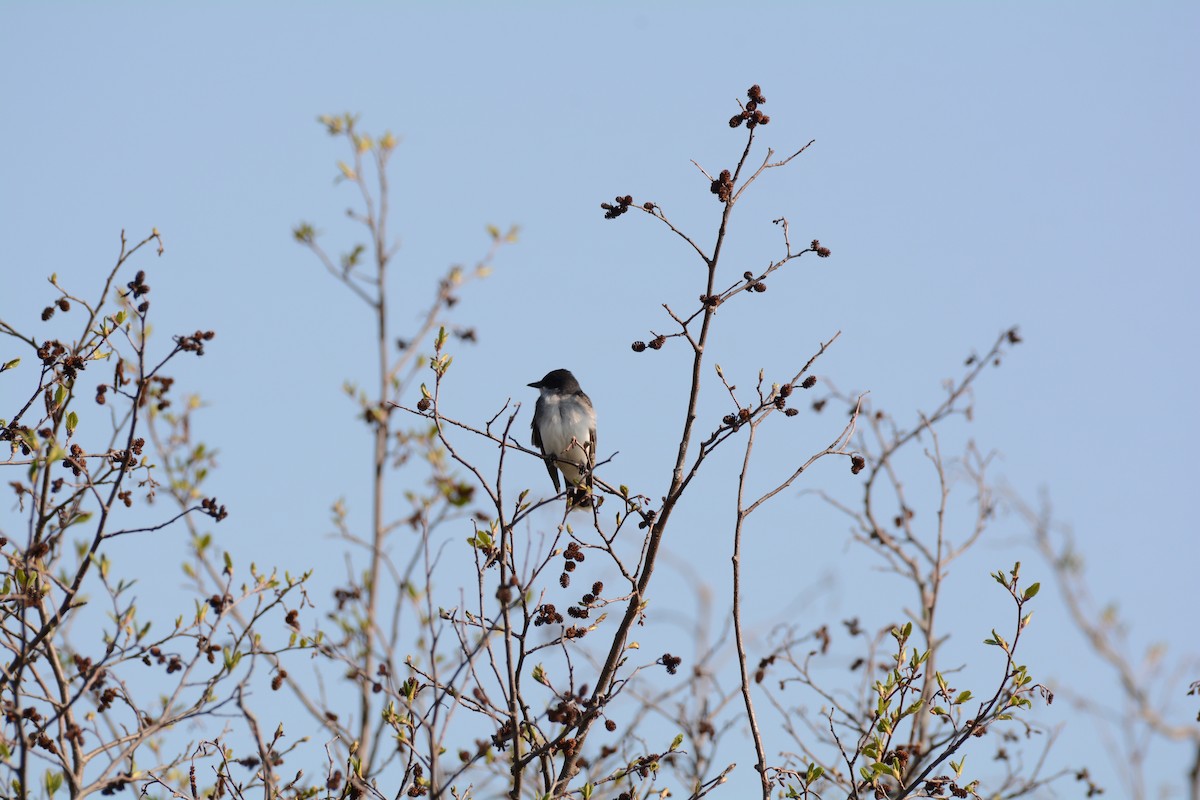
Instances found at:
x=564 y=429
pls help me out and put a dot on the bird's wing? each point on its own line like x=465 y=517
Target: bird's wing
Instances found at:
x=537 y=436
x=537 y=442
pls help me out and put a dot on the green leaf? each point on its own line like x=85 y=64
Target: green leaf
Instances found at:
x=351 y=259
x=72 y=424
x=1032 y=591
x=678 y=741
x=10 y=364
x=304 y=233
x=963 y=697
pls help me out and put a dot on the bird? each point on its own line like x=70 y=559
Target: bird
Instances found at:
x=564 y=430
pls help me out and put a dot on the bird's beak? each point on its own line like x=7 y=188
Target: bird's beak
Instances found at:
x=534 y=385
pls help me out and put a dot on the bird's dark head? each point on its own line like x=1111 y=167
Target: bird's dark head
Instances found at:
x=559 y=380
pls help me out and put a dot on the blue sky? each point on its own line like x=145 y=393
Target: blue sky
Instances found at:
x=976 y=166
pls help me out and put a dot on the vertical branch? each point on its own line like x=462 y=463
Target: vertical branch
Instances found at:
x=738 y=636
x=381 y=418
x=929 y=589
x=364 y=270
x=608 y=671
x=378 y=412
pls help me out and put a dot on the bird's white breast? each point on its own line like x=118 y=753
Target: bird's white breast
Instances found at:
x=563 y=422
